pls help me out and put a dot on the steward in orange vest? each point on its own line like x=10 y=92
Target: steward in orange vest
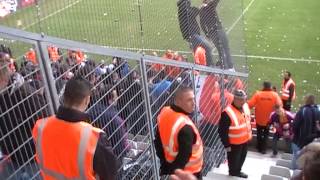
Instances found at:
x=264 y=102
x=69 y=148
x=31 y=56
x=178 y=142
x=235 y=132
x=53 y=53
x=288 y=92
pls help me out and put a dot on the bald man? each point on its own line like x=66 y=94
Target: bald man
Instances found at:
x=178 y=142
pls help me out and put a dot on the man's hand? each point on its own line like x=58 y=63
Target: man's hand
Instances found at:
x=182 y=175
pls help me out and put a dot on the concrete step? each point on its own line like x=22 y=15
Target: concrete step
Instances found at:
x=217 y=176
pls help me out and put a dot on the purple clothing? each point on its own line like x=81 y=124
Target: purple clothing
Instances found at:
x=274 y=118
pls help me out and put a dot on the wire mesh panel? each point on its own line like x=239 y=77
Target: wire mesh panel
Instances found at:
x=24 y=99
x=117 y=104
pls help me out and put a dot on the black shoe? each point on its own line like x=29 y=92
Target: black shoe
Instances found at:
x=263 y=152
x=242 y=175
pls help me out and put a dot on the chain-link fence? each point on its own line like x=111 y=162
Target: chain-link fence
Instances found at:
x=139 y=25
x=129 y=90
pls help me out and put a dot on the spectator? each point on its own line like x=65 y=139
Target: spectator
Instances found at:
x=281 y=120
x=263 y=102
x=304 y=126
x=89 y=73
x=160 y=86
x=31 y=56
x=212 y=27
x=131 y=102
x=190 y=30
x=20 y=106
x=81 y=151
x=309 y=162
x=63 y=75
x=106 y=116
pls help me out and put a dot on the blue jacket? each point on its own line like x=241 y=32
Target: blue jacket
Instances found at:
x=304 y=125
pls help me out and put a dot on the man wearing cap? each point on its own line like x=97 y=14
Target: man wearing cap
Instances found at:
x=235 y=132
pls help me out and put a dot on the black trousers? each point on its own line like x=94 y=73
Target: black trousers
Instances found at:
x=236 y=158
x=262 y=137
x=219 y=38
x=286 y=105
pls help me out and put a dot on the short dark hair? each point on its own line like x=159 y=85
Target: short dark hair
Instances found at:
x=266 y=85
x=289 y=73
x=181 y=90
x=76 y=90
x=88 y=72
x=311 y=170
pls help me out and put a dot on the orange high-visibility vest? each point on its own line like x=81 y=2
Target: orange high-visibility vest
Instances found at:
x=285 y=89
x=53 y=53
x=65 y=150
x=200 y=56
x=80 y=57
x=174 y=71
x=169 y=124
x=264 y=103
x=31 y=56
x=240 y=128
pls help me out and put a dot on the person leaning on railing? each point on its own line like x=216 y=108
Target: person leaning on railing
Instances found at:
x=69 y=148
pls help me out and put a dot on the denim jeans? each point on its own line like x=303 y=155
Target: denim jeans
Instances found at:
x=275 y=140
x=295 y=150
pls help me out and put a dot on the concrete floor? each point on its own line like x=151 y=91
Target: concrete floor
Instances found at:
x=255 y=165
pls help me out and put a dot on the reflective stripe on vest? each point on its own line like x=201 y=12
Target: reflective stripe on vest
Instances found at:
x=240 y=128
x=285 y=90
x=84 y=140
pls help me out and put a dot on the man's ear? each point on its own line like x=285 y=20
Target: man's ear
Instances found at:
x=87 y=101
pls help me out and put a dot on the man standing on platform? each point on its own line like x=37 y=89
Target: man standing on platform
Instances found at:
x=288 y=93
x=235 y=132
x=178 y=142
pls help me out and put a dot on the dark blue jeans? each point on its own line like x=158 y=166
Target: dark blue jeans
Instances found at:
x=275 y=140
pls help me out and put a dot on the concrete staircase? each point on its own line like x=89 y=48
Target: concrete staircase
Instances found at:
x=255 y=166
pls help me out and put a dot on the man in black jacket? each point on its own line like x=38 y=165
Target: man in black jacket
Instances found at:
x=212 y=27
x=190 y=29
x=186 y=136
x=235 y=133
x=72 y=116
x=305 y=127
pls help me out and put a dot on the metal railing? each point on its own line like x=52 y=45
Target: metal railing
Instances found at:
x=129 y=91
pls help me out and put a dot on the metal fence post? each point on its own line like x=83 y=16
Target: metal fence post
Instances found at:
x=222 y=96
x=194 y=86
x=149 y=115
x=48 y=75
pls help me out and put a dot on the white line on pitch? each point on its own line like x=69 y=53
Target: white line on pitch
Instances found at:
x=278 y=58
x=52 y=14
x=242 y=14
